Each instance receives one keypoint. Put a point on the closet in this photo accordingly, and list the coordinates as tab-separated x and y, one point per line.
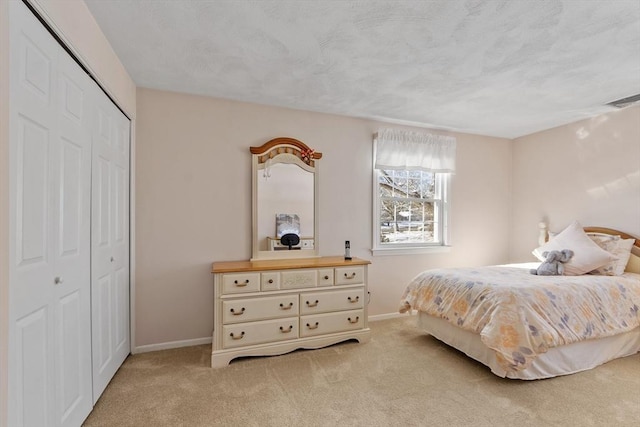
69	232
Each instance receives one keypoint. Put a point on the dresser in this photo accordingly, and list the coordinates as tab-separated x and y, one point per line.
271	307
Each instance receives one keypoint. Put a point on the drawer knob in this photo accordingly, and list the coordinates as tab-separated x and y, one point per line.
270	281
237	313
354	321
286	331
326	277
286	307
353	300
312	304
237	337
315	326
350	276
245	283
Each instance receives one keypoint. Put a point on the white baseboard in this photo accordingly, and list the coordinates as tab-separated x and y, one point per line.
207	340
170	345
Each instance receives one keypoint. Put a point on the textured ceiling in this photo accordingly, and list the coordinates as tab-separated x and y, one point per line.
500	68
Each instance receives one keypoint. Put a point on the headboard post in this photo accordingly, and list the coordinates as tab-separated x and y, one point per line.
542	233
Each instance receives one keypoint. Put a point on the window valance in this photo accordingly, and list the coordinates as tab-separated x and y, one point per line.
407	150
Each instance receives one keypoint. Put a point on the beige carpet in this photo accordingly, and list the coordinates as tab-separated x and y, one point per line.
401	378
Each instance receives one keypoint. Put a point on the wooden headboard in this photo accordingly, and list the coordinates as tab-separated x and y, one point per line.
633	265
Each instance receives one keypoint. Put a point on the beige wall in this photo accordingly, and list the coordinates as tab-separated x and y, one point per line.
587	171
194	203
75	25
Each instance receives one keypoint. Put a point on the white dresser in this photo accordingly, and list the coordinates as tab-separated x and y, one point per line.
275	306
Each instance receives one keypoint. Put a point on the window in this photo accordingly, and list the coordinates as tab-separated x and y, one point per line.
411	207
411	187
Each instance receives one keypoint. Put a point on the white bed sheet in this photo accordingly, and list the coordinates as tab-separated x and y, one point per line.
564	360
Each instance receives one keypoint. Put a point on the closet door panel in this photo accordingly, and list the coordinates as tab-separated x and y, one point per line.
102	282
50	155
32	392
37	66
72	256
71	198
110	231
102	353
33	363
34	61
120	209
33	195
101	215
32	133
120	260
121	313
71	378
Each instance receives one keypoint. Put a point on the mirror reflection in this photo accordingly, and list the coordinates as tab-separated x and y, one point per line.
285	205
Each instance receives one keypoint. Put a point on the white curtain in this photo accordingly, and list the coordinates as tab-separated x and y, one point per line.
399	149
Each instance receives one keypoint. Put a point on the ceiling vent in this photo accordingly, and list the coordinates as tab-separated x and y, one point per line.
625	102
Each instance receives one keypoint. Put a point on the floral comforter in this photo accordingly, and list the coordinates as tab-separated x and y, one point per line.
520	315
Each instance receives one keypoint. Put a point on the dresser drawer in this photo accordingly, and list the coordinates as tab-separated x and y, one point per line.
349	275
244	334
270	281
240	282
319	324
322	302
259	308
325	277
296	279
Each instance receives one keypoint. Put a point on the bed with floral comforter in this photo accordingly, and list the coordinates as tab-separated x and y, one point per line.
519	315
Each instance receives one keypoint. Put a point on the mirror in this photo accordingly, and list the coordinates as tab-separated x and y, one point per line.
285	205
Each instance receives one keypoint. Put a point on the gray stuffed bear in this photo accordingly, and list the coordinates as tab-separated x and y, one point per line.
553	264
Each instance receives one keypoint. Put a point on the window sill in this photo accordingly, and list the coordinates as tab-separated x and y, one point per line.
410	251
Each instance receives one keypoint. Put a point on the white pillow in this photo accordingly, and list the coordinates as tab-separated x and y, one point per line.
587	255
620	248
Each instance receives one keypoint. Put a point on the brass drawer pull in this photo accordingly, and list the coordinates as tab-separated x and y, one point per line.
239	337
246	282
286	307
237	313
312	304
353	300
354	321
286	331
312	326
350	276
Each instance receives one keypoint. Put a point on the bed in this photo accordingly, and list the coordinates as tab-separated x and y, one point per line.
524	326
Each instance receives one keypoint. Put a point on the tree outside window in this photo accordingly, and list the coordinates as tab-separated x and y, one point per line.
410	207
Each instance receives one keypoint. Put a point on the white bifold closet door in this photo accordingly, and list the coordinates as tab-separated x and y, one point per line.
50	160
109	242
69	324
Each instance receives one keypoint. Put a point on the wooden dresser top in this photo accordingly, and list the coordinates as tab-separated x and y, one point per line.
284	264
